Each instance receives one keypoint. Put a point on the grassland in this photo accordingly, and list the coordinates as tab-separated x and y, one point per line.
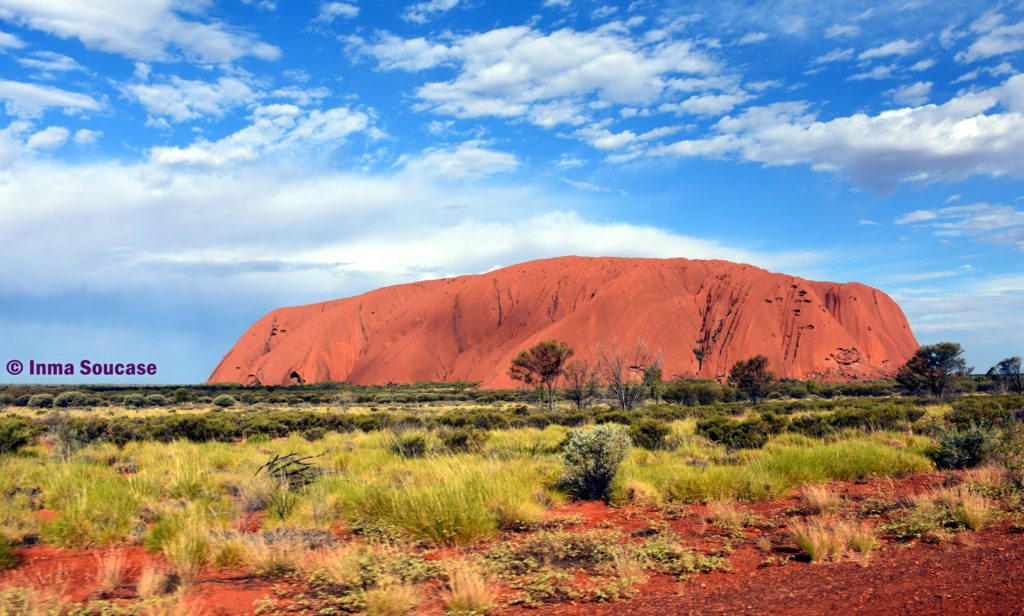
377	490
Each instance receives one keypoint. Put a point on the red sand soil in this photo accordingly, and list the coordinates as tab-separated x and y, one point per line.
975	573
471	327
71	575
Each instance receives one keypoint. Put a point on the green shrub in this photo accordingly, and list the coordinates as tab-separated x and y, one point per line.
745	434
134	401
183	394
649	433
223	401
463	440
620	417
314	434
591	458
964	447
8	560
14	435
156	400
71	399
408	444
975	411
40	401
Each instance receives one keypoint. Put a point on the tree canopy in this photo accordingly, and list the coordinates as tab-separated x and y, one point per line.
752	376
542	365
933	368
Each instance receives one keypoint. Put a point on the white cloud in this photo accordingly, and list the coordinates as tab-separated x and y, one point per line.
30	99
332	232
708	104
842	30
882	71
968	76
913	94
184	99
604	11
922	65
916	216
979	133
568	161
47	63
10	41
995	38
753	37
85	136
509	71
19	140
396	53
600	137
985	222
274	128
792	24
591	187
422	12
557	3
139	29
472	159
899	47
329	11
50	138
836	55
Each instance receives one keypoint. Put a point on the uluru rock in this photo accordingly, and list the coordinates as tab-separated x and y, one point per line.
702	316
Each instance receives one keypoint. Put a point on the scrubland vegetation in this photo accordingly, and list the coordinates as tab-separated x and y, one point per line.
351	495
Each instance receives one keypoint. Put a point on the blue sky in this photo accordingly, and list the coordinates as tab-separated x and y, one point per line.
170	170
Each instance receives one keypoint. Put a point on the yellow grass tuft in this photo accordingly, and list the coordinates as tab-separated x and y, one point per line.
819	500
468	590
153	582
822	539
110	571
392	599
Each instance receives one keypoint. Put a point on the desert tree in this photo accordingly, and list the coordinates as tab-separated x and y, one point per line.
542	365
580	383
933	369
655	382
627	374
1008	374
751	376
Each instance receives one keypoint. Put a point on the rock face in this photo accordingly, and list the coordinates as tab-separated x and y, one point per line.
702	316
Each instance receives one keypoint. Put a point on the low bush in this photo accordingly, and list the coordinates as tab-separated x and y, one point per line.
14	434
964	447
156	400
736	434
663	553
463	440
591	458
40	401
978	411
314	434
8	560
649	433
134	401
71	399
409	444
223	401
